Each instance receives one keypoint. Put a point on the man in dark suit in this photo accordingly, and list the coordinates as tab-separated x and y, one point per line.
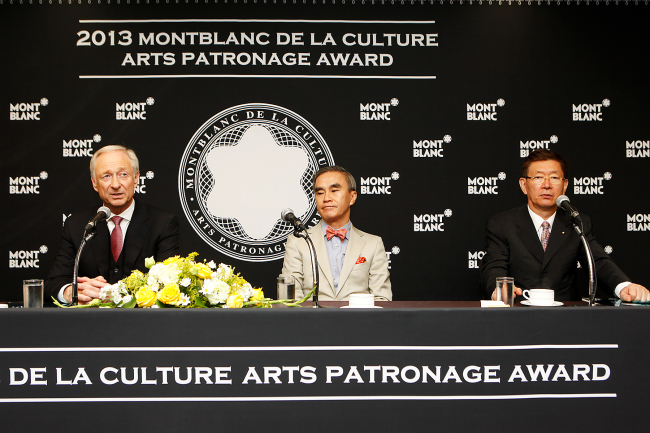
121	244
537	245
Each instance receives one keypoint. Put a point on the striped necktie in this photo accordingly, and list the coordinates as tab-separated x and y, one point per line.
117	240
546	233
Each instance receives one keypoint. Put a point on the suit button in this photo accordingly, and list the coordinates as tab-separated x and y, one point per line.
116	270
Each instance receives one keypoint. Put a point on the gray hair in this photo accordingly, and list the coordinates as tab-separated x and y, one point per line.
352	184
129	152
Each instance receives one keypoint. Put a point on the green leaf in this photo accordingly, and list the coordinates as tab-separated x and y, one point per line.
297	303
161	305
199	302
131	304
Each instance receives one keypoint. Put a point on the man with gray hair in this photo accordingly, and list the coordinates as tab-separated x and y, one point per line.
350	261
121	244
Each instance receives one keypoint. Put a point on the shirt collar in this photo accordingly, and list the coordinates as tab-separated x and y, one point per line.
538	220
347	227
128	213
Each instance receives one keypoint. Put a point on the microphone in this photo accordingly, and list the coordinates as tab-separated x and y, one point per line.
287	215
103	213
563	202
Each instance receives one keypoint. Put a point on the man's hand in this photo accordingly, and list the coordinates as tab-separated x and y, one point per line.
635	293
88	289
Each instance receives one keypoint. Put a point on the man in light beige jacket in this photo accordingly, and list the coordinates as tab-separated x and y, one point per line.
349	260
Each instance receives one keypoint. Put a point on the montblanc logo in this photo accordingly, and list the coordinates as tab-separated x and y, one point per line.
608	249
80	148
484	111
474	258
27	110
590	185
429	148
26	259
430	222
132	110
637	149
525	147
377	110
484	185
393	252
638	222
141	187
377	185
244	147
589	112
26	184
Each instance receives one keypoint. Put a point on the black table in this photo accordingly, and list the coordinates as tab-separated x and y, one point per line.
413	366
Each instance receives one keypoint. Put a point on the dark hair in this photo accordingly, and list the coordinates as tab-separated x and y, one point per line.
352	184
544	155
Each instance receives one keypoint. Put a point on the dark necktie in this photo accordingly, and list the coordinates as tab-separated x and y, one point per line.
117	240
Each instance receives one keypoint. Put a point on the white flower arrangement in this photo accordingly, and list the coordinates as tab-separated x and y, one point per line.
181	282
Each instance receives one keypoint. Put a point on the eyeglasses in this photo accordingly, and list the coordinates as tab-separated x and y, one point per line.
555	180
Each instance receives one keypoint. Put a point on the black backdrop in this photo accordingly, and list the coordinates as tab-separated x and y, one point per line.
532	65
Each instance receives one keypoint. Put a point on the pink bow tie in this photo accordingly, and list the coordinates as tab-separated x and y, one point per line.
331	233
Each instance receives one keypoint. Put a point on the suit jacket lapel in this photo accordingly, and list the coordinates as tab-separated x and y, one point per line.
101	247
528	235
135	236
355	246
559	233
316	235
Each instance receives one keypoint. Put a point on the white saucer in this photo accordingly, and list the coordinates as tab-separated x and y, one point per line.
554	304
374	306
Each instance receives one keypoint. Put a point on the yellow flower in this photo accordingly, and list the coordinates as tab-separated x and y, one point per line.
170	294
258	295
134	281
136	274
172	260
203	271
145	297
235	301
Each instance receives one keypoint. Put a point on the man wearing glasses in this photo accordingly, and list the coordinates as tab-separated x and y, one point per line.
537	245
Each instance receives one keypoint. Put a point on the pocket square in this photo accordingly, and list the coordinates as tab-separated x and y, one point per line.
360	260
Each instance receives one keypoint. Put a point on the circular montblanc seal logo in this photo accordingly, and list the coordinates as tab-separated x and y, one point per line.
241	169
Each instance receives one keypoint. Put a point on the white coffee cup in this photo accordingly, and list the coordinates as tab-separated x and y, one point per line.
362	300
540	296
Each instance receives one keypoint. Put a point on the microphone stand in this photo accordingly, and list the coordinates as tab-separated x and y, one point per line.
75	273
590	260
314	263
